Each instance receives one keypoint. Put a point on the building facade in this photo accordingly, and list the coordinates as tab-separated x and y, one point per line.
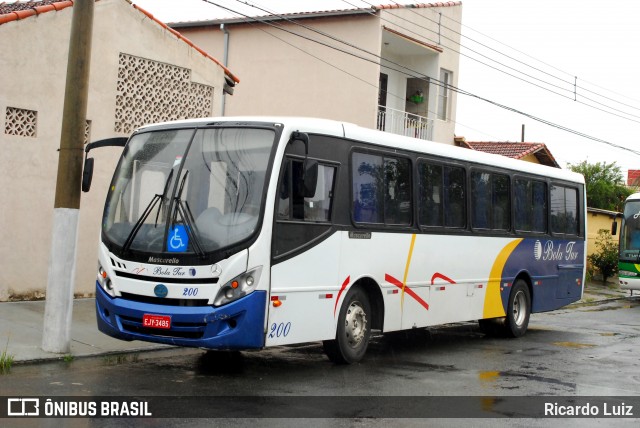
393	68
141	72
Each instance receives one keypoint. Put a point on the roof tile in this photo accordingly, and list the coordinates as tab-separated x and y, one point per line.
20	10
512	150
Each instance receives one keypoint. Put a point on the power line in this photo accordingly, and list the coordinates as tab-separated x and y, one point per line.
439	83
574	83
571	92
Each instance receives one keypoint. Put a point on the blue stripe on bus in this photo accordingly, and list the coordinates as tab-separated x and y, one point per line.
237	325
555	268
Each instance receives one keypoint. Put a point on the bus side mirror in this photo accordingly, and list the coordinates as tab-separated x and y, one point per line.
87	174
310	178
614	228
87	170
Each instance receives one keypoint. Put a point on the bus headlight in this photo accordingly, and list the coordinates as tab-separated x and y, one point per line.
238	287
627	273
105	281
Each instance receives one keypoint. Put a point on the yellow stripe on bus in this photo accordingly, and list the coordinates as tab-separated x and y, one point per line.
406	269
492	301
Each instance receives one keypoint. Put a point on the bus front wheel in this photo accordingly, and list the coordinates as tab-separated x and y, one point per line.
353	331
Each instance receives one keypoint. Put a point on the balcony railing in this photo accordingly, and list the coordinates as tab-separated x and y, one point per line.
403	123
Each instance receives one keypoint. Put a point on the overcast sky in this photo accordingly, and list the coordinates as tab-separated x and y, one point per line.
562	46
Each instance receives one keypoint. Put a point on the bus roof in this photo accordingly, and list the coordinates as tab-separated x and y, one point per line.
383	139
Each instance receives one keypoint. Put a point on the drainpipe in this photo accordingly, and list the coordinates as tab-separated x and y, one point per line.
225	63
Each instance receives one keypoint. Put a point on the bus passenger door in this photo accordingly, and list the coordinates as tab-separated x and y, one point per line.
306	253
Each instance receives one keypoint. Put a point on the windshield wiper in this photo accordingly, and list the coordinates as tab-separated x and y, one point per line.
136	227
182	207
164	195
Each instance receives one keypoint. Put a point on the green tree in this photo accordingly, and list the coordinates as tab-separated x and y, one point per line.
605	259
605	184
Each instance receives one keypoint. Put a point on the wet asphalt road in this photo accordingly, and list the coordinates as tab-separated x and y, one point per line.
591	350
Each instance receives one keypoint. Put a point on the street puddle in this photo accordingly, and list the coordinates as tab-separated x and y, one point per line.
488	376
574	345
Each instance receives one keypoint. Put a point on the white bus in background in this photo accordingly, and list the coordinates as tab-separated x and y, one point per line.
244	233
629	261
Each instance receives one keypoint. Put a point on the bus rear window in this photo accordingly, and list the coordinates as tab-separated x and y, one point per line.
564	210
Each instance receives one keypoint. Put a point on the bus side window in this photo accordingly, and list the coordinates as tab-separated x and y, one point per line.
284	197
430	201
293	205
381	189
318	206
397	191
501	202
530	205
491	201
454	197
564	210
481	199
441	195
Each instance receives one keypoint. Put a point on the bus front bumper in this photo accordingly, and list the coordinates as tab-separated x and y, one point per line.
237	325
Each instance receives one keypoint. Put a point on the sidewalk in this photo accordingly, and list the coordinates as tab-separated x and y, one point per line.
21	325
21	328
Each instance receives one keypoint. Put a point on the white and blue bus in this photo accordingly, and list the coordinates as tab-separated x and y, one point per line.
245	233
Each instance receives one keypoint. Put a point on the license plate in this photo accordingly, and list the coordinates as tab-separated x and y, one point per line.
156	321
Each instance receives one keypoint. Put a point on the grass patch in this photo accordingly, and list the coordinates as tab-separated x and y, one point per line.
68	358
6	360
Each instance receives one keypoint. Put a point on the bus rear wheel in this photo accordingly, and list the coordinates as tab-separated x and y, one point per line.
353	331
516	321
518	310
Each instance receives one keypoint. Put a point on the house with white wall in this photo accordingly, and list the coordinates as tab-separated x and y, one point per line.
384	67
141	71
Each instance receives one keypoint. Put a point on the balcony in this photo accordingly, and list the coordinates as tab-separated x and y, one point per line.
403	123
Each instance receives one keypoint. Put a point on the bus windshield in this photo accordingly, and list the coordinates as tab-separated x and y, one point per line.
188	190
630	234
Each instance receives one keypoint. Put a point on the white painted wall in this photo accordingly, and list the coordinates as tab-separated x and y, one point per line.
32	76
285	75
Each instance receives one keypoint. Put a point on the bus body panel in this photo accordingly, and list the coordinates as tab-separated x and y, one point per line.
303	284
424	280
181	282
627	281
237	325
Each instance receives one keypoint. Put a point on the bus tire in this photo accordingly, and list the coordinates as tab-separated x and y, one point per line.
518	310
353	331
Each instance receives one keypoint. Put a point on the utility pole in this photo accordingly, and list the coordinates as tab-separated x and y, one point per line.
56	334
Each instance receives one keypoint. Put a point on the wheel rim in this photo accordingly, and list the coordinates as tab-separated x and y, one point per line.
519	308
355	324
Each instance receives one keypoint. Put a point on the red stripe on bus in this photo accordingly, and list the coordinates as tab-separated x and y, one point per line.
344	285
441	276
407	290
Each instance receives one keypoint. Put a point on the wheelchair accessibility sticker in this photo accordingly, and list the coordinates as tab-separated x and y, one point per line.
178	239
